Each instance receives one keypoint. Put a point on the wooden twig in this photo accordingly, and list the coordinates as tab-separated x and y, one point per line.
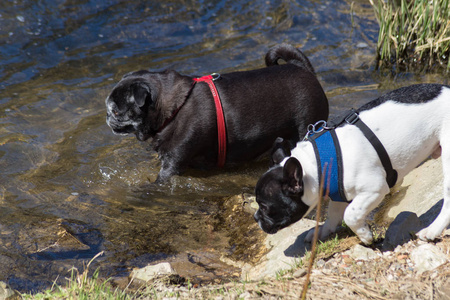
316	230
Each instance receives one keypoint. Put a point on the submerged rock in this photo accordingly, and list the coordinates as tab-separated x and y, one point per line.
7	293
151	272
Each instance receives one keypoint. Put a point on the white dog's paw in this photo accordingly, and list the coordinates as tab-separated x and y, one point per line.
365	235
428	234
367	240
324	232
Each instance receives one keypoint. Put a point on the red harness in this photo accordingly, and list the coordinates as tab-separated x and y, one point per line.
221	129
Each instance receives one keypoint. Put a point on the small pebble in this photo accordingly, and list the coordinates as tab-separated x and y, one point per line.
361	45
299	273
320	263
402	257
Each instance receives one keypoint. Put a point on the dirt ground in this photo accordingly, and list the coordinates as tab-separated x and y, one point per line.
390	275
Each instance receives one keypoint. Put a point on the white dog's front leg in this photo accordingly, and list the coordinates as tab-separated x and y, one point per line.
356	213
334	219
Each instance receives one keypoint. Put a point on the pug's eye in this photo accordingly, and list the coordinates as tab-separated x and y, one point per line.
115	112
263	207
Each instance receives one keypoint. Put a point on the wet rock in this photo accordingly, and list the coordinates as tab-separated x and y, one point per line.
122	282
204	266
7	293
151	272
359	252
249	203
283	248
427	257
399	232
245	236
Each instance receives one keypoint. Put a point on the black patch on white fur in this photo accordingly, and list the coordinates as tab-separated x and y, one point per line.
414	94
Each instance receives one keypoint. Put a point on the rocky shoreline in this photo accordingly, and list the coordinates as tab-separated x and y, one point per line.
415	270
397	266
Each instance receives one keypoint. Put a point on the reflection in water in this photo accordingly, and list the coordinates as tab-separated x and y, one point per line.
69	188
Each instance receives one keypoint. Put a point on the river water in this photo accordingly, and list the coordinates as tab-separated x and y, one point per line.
69	188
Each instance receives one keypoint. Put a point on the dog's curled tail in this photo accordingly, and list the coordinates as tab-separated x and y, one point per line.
290	55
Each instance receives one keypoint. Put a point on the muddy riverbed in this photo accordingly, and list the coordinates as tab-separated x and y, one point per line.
70	189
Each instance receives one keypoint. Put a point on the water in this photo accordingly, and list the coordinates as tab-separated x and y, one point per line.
69	188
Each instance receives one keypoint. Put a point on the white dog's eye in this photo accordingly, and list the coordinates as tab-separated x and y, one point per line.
115	112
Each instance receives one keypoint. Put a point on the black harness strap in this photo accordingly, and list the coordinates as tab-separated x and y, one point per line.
354	119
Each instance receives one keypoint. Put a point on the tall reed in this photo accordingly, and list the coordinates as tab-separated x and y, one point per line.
413	33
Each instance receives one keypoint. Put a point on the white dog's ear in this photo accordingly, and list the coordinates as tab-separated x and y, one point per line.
140	94
281	149
293	176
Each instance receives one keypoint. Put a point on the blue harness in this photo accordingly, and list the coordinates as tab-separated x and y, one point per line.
328	154
329	158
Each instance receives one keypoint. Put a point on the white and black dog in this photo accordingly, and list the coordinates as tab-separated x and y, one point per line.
412	123
258	106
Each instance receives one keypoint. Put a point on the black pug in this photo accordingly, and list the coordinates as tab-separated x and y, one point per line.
258	106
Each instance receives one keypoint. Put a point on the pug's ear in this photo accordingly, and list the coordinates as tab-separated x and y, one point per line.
140	94
292	176
127	75
281	149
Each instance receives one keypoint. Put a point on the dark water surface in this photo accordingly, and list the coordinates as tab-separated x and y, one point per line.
69	188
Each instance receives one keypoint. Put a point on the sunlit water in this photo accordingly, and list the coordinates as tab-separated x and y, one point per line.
69	188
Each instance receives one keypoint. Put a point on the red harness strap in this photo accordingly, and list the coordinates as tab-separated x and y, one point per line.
221	129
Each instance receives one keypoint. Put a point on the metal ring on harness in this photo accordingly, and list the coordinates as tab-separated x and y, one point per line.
317	127
215	76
